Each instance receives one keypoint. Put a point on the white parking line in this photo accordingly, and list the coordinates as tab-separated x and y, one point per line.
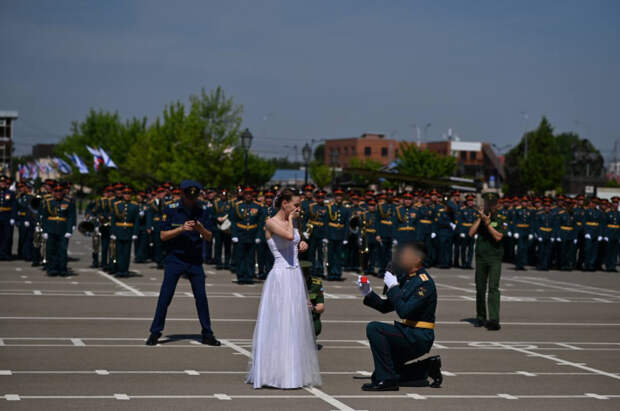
120	283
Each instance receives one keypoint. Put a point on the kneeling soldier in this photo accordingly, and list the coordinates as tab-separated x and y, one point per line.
414	298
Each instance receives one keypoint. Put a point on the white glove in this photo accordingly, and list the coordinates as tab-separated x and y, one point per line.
516	236
363	287
72	228
112	237
600	238
433	235
530	237
462	235
475	236
575	241
606	238
306	236
26	223
257	240
552	239
12	221
345	242
96	229
141	213
235	240
394	242
587	237
390	280
45	236
559	239
453	226
509	234
67	235
325	241
134	237
540	239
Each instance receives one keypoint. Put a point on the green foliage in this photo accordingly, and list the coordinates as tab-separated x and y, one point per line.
319	153
366	164
423	163
320	174
197	141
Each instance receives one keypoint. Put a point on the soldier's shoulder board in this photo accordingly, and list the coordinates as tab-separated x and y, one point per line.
317	281
424	277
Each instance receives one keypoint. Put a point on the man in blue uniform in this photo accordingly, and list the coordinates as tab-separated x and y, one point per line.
404	221
414	298
184	226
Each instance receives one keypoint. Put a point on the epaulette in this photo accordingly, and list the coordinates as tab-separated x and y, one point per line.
317	281
424	277
134	202
172	204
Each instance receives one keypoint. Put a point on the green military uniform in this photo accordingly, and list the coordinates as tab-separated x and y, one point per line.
489	255
57	220
247	222
315	293
125	226
337	233
317	218
222	208
153	222
141	243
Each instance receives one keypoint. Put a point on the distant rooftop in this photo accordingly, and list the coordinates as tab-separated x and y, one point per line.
9	114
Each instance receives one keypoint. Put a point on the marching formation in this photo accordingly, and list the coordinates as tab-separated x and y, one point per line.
346	230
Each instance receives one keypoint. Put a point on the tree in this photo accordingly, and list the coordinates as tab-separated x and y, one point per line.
320	174
319	153
260	170
366	164
423	163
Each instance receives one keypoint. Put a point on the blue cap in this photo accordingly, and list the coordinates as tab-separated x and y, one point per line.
185	184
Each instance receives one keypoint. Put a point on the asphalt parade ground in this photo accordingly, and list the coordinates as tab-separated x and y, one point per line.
77	343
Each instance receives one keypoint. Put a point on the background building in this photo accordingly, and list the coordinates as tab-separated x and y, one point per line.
7	120
373	146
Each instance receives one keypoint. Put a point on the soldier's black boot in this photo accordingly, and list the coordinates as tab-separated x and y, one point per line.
209	339
434	370
95	263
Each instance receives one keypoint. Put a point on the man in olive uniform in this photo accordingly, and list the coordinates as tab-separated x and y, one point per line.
611	234
24	243
223	213
8	214
56	215
467	216
489	253
337	233
248	222
414	298
317	218
125	228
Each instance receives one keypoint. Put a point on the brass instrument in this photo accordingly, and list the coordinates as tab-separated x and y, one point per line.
35	202
113	250
363	243
355	223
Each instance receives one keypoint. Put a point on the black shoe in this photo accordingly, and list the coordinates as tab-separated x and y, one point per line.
479	323
434	371
210	340
53	273
153	339
319	347
386	385
64	274
493	326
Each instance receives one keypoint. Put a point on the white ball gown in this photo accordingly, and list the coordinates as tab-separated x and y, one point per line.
284	351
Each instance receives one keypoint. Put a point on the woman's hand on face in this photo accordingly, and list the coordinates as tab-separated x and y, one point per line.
303	246
294	214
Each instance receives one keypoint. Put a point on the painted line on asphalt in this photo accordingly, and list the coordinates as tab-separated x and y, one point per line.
574	288
312	390
120	283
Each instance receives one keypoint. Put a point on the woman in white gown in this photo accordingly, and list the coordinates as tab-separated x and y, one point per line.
284	351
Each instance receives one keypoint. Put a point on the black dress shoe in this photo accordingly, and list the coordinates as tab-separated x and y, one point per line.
153	339
479	323
434	370
386	385
210	340
493	326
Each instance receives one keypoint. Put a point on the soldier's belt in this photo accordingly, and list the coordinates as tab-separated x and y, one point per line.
5	208
156	218
386	222
546	229
247	226
523	225
418	324
566	228
22	213
405	229
371	230
124	224
613	225
316	223
336	225
467	224
426	221
52	218
579	223
593	223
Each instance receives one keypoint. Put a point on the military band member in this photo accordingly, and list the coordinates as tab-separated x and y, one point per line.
467	215
25	231
247	219
142	242
370	242
425	233
153	223
566	236
209	202
57	219
337	234
521	232
263	253
125	228
405	220
592	235
611	235
444	226
317	219
8	214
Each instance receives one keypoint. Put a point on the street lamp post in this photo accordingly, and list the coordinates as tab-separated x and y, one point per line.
334	157
306	152
246	143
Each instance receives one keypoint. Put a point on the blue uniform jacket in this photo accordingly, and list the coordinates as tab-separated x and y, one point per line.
188	245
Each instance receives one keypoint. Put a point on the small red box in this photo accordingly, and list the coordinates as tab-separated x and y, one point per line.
364	280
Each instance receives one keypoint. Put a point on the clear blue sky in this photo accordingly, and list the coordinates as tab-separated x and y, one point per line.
319	69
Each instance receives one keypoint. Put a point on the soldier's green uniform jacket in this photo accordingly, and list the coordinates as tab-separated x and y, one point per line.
23	204
317	216
486	247
57	216
405	219
466	217
566	225
222	208
415	302
125	220
385	223
247	220
315	293
371	223
338	227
